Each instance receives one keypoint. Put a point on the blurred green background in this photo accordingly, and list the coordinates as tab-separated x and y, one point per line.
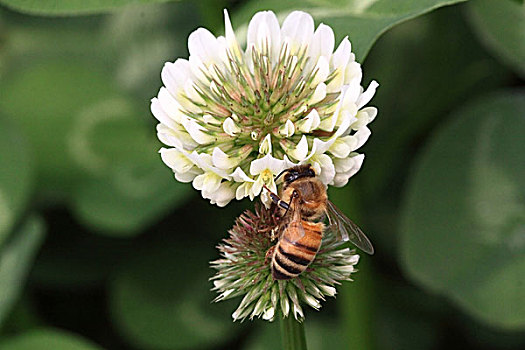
100	248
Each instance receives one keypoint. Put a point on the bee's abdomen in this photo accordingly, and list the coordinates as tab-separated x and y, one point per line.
292	256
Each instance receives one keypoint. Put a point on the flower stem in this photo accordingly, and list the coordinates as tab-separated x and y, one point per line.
292	334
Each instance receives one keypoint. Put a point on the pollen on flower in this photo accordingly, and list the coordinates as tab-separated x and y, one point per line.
267	175
288	97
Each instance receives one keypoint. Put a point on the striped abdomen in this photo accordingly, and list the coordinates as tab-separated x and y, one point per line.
294	253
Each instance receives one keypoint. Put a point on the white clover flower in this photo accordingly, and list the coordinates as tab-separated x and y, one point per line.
234	118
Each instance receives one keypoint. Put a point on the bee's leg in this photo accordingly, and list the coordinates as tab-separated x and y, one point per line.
277	200
269	255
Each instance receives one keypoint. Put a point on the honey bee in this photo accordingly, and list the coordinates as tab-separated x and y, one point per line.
304	205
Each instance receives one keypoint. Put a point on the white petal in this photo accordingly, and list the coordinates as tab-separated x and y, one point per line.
230	127
322	43
267	162
338	66
198	69
207	182
193	95
319	94
198	182
353	165
342	147
205	162
300	151
256	188
265	146
288	129
174	75
170	105
268	314
367	95
353	71
240	176
176	138
285	305
328	290
319	146
310	122
208	119
203	44
222	195
222	161
358	162
297	30
298	312
197	132
345	119
327	168
323	70
364	117
310	300
160	114
352	92
176	160
231	39
288	163
328	123
361	136
188	176
244	190
342	54
264	33
342	165
316	120
340	180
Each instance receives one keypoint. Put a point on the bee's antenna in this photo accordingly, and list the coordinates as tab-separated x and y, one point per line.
279	175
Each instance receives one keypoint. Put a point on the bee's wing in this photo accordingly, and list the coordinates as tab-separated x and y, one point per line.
295	225
346	229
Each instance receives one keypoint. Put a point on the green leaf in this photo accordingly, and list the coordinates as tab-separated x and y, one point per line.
16	176
57	91
15	261
402	309
73	258
362	20
48	339
130	198
130	186
161	299
463	223
425	85
23	316
70	7
144	38
500	25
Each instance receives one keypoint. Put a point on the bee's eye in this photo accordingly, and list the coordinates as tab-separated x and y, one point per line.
311	172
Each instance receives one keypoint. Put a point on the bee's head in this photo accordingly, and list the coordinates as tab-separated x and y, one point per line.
297	172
